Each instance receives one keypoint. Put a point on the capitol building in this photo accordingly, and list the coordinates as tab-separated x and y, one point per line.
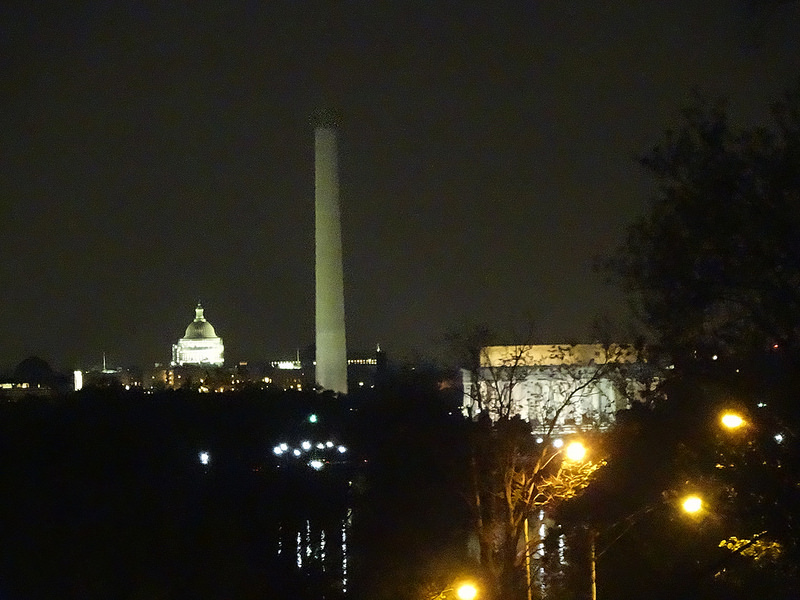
199	345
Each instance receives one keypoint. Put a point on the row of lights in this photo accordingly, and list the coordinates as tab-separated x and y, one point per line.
307	446
205	457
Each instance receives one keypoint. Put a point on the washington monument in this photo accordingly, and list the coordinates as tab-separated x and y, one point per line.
331	371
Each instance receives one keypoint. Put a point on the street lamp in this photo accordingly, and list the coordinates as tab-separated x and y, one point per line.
692	504
466	591
731	420
575	452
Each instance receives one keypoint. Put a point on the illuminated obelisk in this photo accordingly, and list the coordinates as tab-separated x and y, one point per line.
331	371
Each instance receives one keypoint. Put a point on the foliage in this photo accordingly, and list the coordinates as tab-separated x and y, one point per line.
516	474
571	479
714	267
757	547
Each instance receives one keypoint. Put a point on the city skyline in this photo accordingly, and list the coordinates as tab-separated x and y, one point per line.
154	158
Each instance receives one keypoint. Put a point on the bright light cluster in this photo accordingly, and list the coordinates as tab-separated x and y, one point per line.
306	446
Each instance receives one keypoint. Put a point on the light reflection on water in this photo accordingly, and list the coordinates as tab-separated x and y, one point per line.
545	565
319	548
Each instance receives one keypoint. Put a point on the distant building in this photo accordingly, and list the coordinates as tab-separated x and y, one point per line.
290	375
365	371
298	374
105	376
571	387
12	391
127	378
199	345
33	377
155	377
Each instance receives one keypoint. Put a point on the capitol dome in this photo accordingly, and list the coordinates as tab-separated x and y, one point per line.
199	328
200	344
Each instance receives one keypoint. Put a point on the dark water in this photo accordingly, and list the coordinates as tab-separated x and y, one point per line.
103	518
107	496
318	548
202	535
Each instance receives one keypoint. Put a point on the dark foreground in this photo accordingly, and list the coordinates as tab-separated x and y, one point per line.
105	495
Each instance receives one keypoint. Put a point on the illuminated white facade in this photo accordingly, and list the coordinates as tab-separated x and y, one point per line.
199	345
570	387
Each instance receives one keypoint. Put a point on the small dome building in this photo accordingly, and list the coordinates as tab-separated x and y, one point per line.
199	345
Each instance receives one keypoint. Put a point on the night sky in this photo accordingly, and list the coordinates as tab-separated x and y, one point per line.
154	156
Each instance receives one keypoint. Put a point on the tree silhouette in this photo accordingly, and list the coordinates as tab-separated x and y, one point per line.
714	267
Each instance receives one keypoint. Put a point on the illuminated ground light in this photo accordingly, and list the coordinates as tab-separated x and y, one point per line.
341	449
306	445
316	464
277	450
204	457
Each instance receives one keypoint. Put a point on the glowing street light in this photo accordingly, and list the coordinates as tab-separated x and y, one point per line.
467	591
692	504
731	420
575	452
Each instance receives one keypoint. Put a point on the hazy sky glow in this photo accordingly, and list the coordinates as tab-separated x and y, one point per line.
151	157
